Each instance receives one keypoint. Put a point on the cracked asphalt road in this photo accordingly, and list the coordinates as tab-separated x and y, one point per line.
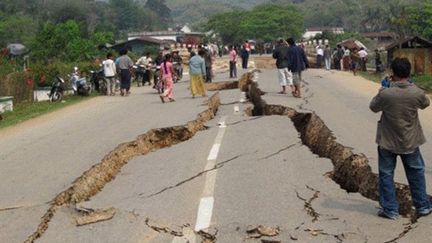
265	176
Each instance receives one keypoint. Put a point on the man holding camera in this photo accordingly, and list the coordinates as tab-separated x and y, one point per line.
400	134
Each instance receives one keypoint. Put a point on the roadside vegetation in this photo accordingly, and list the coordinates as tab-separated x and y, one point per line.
422	81
28	110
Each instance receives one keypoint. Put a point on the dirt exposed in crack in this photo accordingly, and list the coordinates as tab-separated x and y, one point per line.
93	180
351	171
222	85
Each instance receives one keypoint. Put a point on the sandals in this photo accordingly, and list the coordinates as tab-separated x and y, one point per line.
162	98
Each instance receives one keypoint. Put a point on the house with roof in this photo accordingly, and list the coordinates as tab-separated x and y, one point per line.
382	39
141	45
417	50
177	35
311	32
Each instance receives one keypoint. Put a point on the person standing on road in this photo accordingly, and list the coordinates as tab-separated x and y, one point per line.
281	56
244	54
167	76
378	62
338	57
363	59
110	73
327	57
125	65
146	62
355	60
208	63
399	133
197	71
233	62
320	56
297	63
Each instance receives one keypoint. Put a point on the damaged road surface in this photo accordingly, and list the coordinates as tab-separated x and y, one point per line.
216	174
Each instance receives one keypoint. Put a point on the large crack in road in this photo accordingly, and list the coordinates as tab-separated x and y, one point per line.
93	180
351	171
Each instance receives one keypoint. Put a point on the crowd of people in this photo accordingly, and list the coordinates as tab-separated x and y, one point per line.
291	61
346	59
161	72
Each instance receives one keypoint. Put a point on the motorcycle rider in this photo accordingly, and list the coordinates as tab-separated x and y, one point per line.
146	61
109	72
178	63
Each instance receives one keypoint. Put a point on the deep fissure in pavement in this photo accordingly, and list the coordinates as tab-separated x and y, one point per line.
351	171
93	180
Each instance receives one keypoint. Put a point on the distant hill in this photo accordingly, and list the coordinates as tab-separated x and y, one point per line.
195	11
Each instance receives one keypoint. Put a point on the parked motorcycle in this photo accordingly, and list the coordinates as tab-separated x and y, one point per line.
79	85
57	90
98	82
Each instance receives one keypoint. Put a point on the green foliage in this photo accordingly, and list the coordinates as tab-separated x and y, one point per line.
65	41
26	111
264	22
423	81
420	19
17	29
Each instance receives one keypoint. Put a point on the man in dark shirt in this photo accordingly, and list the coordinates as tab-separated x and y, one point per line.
297	63
399	133
281	56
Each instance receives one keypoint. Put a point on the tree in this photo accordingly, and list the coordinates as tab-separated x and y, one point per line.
161	10
267	22
420	19
17	29
65	41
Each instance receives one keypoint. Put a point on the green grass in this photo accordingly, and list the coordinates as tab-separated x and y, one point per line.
422	81
26	111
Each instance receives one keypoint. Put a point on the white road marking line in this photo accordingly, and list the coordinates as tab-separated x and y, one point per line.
205	209
214	152
205	212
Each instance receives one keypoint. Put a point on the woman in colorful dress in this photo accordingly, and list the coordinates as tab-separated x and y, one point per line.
167	74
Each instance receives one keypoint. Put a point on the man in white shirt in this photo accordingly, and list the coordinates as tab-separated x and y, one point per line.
363	58
110	73
146	61
320	55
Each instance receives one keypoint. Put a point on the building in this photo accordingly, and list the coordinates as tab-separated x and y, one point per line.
313	31
141	45
178	35
382	39
418	50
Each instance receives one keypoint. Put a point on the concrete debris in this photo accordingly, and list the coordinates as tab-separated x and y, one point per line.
86	217
93	180
261	230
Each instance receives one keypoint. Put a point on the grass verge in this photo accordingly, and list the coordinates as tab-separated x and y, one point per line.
422	81
26	111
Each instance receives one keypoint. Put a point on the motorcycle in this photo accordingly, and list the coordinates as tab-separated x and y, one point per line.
158	84
79	85
179	71
57	90
141	75
98	82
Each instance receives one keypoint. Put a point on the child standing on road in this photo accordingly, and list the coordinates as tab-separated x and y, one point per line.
109	72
